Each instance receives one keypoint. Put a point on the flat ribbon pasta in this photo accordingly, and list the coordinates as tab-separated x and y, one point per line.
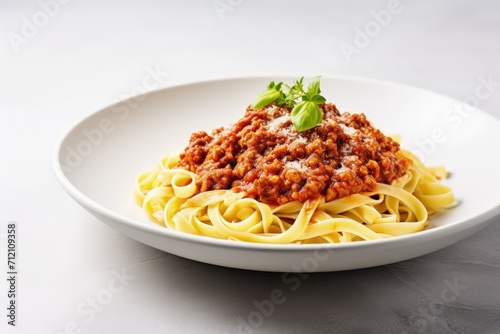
168	196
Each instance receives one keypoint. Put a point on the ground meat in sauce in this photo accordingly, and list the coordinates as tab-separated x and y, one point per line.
264	156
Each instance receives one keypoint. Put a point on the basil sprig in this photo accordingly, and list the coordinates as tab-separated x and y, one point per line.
306	113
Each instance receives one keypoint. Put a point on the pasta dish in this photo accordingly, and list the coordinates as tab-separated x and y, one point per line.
293	169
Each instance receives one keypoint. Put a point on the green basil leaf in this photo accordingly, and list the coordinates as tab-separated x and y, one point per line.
266	97
307	98
318	99
313	87
306	115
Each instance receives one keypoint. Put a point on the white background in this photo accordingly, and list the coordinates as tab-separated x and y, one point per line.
59	62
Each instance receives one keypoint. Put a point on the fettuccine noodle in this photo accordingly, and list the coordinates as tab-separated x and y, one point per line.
168	196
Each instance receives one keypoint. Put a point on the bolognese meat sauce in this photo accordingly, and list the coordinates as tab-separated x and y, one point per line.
264	156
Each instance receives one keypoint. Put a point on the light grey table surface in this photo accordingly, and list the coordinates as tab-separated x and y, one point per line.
62	60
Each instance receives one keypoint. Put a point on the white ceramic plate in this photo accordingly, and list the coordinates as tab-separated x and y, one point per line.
98	160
